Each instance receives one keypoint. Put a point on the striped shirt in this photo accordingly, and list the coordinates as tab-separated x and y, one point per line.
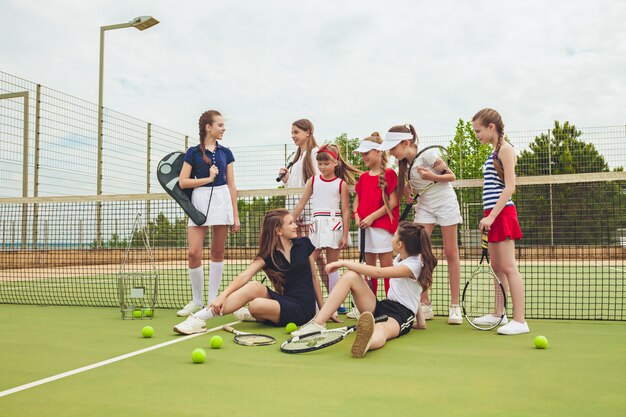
492	185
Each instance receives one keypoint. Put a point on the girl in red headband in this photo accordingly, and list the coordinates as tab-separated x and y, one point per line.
328	191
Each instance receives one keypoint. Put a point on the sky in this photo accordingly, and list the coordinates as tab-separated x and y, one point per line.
349	66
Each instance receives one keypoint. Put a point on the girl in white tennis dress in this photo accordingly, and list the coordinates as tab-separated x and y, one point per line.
328	192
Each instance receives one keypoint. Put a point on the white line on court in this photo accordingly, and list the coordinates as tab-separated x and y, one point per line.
108	361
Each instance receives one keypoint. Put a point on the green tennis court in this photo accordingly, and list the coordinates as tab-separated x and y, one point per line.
443	371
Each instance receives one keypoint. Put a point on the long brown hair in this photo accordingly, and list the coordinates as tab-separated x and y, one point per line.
269	243
403	164
416	241
382	181
485	117
307	167
205	119
343	170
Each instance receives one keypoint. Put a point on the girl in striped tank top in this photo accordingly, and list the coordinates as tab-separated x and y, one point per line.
328	191
501	216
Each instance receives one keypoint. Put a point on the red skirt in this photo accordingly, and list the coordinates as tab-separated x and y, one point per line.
505	226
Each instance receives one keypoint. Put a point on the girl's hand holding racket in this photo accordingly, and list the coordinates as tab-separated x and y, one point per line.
283	175
485	224
426	174
366	222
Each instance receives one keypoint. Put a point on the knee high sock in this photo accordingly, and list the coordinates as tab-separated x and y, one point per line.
333	277
204	314
196	276
215	277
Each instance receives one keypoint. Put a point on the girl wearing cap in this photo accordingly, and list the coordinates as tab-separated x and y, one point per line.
376	205
328	192
437	206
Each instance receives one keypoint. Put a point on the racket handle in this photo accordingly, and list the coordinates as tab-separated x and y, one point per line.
406	211
281	176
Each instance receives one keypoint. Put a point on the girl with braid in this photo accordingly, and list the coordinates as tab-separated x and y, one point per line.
437	206
500	219
376	205
209	170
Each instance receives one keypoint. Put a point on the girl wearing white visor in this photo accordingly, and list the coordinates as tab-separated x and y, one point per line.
438	205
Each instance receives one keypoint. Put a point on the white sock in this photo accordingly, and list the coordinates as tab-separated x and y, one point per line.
204	314
215	277
196	275
333	278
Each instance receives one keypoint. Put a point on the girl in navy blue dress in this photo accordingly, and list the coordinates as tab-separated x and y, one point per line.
288	262
209	170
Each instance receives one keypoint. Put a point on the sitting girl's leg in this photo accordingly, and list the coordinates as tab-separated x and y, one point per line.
265	309
237	299
350	281
384	331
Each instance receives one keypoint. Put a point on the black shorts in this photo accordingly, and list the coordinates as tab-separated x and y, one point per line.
292	310
398	312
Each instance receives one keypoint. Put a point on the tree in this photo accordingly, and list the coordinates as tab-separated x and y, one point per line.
578	213
467	155
347	147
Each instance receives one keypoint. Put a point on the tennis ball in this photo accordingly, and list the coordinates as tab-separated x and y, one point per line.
147	331
147	312
198	355
216	342
291	327
137	314
541	342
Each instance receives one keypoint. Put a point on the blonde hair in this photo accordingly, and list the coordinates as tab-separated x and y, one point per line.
343	170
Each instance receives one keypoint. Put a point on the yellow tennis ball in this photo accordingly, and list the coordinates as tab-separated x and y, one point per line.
291	327
198	355
541	342
147	331
147	312
137	314
216	342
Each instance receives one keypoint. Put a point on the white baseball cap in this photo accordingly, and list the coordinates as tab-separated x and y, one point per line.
365	146
392	139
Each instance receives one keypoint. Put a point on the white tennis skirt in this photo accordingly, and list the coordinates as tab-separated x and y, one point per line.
377	240
326	229
221	208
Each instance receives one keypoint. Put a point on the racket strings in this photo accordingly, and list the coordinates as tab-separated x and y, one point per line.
483	297
313	341
254	339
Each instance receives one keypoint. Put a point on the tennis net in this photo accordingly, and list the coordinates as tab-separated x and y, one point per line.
55	251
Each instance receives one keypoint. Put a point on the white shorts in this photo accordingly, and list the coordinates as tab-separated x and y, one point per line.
326	230
377	240
444	215
221	209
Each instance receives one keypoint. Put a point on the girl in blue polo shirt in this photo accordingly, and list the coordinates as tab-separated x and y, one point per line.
209	170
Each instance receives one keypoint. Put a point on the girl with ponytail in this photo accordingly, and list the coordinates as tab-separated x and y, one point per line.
500	219
376	204
209	170
411	273
437	206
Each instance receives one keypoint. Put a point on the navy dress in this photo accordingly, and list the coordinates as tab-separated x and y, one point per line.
297	302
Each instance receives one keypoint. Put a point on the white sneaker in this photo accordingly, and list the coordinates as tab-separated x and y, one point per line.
490	320
364	335
188	310
454	315
514	327
243	314
191	325
310	327
427	309
354	314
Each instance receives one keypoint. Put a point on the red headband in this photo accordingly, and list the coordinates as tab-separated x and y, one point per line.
324	148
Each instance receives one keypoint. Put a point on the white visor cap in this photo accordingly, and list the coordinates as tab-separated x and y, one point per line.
392	139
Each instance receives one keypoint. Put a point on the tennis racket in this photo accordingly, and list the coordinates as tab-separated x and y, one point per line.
434	158
320	340
290	163
484	298
250	339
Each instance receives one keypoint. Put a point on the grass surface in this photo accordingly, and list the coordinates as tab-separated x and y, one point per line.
442	371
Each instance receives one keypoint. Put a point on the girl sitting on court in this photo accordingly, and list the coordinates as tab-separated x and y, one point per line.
288	262
409	276
328	191
376	205
436	206
501	216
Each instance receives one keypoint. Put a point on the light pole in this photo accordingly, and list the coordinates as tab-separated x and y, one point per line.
140	23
